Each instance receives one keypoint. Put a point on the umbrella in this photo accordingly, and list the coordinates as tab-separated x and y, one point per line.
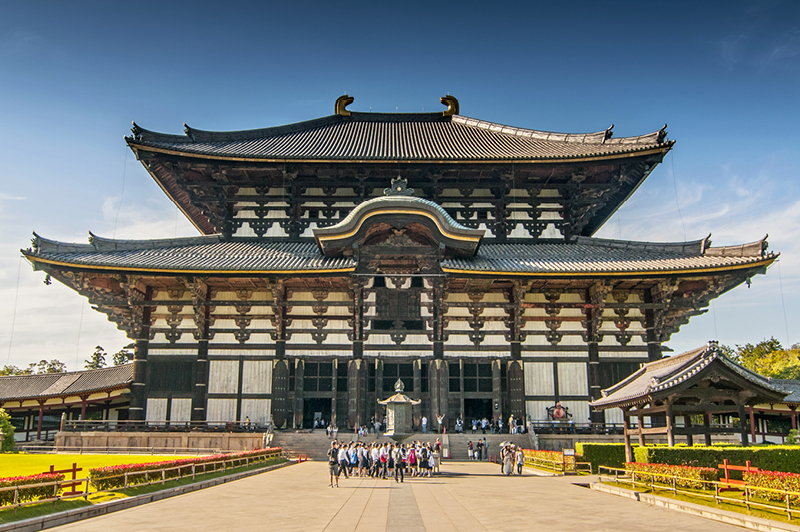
503	444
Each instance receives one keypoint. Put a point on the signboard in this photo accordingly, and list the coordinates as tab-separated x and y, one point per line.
568	452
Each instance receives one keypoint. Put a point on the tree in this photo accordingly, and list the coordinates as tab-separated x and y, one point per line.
767	358
7	439
14	370
123	356
43	366
97	360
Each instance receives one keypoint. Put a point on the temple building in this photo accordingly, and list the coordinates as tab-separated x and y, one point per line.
342	253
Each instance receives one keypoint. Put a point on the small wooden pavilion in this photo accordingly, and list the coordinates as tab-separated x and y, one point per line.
680	395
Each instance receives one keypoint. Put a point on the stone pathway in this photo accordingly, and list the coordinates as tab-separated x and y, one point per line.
468	496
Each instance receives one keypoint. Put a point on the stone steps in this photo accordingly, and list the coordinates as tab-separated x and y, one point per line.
315	444
458	443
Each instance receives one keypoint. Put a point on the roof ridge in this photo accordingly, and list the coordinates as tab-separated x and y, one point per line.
597	137
692	247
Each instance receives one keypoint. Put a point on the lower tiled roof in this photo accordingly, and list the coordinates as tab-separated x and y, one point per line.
45	385
592	255
582	256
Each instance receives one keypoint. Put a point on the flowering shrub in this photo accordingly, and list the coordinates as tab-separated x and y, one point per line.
28	494
687	477
775	480
111	477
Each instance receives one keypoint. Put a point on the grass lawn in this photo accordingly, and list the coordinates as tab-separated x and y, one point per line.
38	510
13	465
764	513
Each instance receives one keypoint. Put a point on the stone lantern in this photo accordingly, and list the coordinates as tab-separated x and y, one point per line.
398	413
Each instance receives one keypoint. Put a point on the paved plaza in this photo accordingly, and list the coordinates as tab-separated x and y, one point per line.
467	496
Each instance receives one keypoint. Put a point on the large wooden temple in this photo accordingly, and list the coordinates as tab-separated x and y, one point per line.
340	254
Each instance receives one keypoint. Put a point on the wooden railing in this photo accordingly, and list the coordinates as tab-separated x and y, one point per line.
134	479
164	426
711	489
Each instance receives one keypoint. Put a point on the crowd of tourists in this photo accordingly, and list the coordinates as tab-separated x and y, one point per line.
383	460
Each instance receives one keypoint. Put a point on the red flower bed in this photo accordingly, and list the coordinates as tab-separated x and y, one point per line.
776	480
687	477
111	477
28	494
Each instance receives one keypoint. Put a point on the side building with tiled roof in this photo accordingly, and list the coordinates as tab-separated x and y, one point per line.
36	403
340	254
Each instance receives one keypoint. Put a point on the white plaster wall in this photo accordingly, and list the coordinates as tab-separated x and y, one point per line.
537	410
578	409
156	409
257	377
181	410
539	378
572	378
258	410
221	410
223	376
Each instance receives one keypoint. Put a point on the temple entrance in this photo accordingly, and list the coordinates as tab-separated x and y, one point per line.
316	409
477	409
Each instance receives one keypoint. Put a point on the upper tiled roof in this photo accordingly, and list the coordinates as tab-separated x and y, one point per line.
584	255
62	384
669	372
397	137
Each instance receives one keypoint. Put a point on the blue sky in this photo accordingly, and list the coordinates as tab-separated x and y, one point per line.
723	75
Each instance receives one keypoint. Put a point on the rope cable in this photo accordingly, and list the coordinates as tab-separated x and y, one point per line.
783	304
122	195
675	186
78	345
14	315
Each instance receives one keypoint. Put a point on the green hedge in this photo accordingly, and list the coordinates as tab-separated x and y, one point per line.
602	454
784	458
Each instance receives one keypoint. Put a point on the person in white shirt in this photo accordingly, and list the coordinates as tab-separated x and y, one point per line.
424	424
343	460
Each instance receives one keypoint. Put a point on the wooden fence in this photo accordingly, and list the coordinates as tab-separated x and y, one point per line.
711	489
134	478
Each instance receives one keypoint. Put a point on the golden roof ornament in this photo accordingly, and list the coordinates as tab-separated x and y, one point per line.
341	103
451	103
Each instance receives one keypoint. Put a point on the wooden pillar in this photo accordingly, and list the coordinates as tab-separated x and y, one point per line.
497	401
743	425
641	427
670	426
687	420
794	418
438	385
39	422
627	433
752	424
707	428
83	407
516	388
651	333
298	393
280	390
